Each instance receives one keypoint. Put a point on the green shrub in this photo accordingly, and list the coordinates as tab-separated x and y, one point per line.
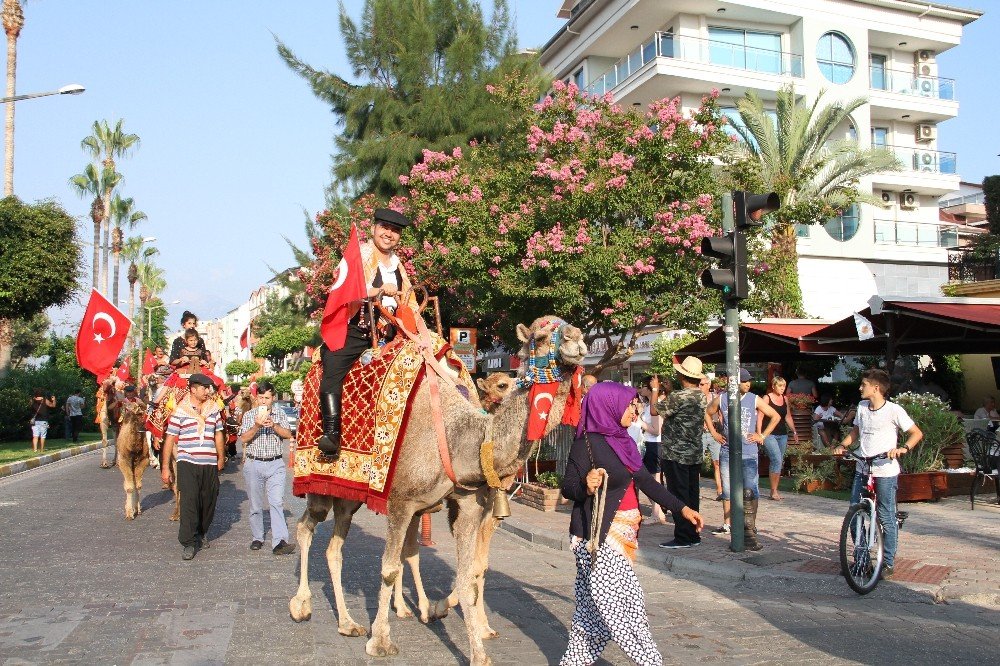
52	379
14	413
550	479
940	426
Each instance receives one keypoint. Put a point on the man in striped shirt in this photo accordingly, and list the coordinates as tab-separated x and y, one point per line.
195	436
261	432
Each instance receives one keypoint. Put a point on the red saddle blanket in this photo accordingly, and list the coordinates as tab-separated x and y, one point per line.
375	409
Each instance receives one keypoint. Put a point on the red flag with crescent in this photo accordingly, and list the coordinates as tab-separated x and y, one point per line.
148	363
245	336
102	335
349	287
540	399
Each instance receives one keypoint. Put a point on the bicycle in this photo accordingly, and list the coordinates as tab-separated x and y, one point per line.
861	543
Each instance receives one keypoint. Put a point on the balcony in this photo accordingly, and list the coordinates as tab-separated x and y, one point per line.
925	159
696	50
931	98
900	82
915	234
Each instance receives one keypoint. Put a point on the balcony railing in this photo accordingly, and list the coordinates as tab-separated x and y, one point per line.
964	267
906	83
977	198
925	159
695	49
915	234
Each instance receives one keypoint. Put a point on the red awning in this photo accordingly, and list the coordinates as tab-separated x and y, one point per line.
759	341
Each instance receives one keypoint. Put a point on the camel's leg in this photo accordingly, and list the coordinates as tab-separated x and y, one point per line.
104	442
400	516
411	555
317	508
139	471
343	514
129	483
467	533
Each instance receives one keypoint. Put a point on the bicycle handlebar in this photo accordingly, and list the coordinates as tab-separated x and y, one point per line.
870	459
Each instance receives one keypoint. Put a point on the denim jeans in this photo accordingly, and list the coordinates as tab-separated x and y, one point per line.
885	489
750	474
775	446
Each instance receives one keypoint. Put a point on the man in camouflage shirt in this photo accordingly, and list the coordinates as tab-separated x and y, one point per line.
683	424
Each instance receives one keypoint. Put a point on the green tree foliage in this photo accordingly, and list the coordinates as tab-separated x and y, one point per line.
662	356
422	66
157	322
284	340
39	260
991	192
585	210
280	311
29	336
792	152
241	369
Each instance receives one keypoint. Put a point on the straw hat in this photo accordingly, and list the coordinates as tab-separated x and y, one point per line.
691	367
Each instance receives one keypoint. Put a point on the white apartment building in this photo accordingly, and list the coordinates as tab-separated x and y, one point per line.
884	50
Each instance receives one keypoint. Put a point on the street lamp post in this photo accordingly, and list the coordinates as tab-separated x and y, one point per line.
8	180
149	315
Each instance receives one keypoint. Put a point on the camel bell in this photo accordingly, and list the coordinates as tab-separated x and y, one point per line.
501	504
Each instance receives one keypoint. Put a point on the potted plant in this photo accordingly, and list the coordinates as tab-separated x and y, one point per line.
544	494
922	478
808	477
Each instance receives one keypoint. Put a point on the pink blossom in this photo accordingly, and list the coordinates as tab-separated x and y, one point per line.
607	311
475	251
494	272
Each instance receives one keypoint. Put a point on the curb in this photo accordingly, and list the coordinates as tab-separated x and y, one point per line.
10	469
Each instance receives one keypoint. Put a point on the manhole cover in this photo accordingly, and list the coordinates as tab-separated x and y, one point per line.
770	559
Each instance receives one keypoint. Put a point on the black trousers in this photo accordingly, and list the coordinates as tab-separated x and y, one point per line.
199	489
682	480
77	426
336	364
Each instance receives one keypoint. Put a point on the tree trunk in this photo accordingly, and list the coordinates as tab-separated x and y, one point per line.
784	295
106	250
116	278
131	314
97	251
6	345
8	166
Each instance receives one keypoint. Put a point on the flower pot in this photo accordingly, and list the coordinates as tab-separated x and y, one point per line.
813	486
543	466
539	497
922	486
953	455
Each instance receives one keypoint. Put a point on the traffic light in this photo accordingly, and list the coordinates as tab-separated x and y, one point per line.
731	275
749	208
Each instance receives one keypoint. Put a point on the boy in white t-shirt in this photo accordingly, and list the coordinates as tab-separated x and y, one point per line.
875	428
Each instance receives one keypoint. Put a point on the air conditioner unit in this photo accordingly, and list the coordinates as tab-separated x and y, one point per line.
908	200
888	198
925	132
924	86
926	69
925	160
924	56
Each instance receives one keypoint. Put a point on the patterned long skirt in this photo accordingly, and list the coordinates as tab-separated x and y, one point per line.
609	599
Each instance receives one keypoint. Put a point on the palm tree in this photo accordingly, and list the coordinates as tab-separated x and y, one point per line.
791	152
106	143
151	284
133	252
122	211
93	183
13	20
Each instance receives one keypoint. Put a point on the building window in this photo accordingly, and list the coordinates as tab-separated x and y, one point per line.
879	78
732	114
835	57
845	226
880	137
745	49
578	78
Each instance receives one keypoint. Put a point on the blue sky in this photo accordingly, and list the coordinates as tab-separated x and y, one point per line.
235	146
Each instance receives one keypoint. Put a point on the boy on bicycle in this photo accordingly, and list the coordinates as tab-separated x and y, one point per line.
875	427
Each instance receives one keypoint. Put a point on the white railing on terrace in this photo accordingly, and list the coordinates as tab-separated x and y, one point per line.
977	198
924	159
917	234
907	83
695	49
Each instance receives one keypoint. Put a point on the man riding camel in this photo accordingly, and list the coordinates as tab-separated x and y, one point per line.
387	281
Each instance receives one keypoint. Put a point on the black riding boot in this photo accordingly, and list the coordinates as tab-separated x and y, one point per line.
329	407
750	541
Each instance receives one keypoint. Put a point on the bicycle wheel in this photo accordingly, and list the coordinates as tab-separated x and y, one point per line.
860	564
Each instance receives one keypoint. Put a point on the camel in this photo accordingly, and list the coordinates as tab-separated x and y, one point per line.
420	483
494	387
132	455
104	421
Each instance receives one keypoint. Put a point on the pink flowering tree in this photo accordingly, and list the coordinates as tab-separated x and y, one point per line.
584	209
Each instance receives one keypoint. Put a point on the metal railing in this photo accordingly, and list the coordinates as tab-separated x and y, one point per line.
903	82
977	198
915	234
695	49
925	159
964	267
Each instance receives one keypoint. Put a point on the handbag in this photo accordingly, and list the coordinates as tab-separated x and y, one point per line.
600	498
31	421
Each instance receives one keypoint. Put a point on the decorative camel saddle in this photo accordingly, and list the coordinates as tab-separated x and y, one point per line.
376	406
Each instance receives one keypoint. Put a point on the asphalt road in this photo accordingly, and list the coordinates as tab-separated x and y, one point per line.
82	585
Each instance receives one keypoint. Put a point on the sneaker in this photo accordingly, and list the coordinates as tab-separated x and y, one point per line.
674	544
283	548
888	571
721	530
256	545
188	553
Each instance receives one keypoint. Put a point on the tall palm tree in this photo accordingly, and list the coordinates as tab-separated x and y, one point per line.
792	152
106	143
122	212
13	20
92	182
151	284
133	252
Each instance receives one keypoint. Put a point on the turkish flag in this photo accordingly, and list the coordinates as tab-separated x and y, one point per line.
148	363
574	400
540	399
349	287
245	336
102	335
124	373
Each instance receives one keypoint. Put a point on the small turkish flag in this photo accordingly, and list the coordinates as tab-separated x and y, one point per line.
245	336
102	335
349	287
148	363
124	373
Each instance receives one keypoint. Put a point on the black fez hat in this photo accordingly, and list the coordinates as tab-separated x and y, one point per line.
389	216
198	379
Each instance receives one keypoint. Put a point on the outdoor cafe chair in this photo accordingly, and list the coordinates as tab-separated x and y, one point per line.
983	446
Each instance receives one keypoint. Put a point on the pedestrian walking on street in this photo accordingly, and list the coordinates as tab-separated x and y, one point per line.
41	410
651	424
262	432
603	473
777	442
683	446
194	435
74	410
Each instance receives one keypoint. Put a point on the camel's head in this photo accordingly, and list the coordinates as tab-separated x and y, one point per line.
547	331
494	388
134	410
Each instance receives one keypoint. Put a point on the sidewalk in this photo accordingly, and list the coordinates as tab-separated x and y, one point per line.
945	549
31	463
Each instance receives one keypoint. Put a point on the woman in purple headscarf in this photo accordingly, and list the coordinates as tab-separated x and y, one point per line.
605	463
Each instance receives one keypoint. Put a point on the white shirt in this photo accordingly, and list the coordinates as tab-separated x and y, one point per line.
389	277
647	418
991	415
878	431
826	413
74	405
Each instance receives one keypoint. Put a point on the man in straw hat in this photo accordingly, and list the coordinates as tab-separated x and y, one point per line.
683	425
